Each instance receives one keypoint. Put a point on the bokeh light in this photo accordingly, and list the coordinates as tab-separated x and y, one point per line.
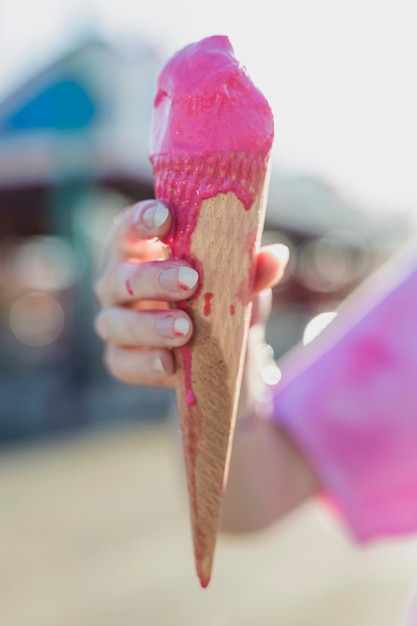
46	264
37	319
271	374
326	265
316	325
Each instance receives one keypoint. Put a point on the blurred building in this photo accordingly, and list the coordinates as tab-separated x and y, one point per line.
73	148
73	152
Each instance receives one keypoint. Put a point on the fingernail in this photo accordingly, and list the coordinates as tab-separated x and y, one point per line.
157	364
181	326
175	278
187	278
172	327
155	216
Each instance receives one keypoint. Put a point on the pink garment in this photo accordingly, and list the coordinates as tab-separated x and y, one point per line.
349	399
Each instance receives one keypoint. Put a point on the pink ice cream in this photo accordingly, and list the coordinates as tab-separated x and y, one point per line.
214	123
206	104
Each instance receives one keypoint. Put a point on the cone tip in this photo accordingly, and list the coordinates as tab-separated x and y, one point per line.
204	571
204	580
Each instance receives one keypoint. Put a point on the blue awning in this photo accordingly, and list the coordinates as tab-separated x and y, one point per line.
64	105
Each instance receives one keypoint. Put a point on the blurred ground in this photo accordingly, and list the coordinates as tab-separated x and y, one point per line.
94	531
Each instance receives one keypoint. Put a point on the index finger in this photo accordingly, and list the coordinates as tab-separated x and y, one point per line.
137	225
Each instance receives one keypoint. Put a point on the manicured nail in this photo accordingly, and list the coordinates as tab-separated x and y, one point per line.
187	278
170	326
157	365
181	326
155	216
176	278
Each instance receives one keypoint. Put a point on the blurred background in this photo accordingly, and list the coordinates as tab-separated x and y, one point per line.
93	519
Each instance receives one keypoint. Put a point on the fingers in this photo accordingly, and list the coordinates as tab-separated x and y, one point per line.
139	343
137	272
262	304
140	366
270	266
138	276
125	283
132	328
139	222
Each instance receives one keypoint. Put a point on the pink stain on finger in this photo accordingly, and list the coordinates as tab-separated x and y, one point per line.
129	287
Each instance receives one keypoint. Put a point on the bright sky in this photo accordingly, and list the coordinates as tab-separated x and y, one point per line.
339	75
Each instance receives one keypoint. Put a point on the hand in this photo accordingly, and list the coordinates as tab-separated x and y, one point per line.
139	283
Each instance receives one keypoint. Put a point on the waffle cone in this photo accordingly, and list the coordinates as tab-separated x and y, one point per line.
219	204
209	369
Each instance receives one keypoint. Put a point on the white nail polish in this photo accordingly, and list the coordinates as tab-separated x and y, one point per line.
157	364
155	216
160	215
187	278
181	326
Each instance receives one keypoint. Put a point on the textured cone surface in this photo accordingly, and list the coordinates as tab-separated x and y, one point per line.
224	241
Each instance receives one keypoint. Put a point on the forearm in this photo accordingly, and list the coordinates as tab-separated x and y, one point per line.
268	478
268	474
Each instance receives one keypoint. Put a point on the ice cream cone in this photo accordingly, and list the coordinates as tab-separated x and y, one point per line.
220	237
211	137
209	370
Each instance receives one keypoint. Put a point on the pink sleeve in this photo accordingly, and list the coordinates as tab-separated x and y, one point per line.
349	399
